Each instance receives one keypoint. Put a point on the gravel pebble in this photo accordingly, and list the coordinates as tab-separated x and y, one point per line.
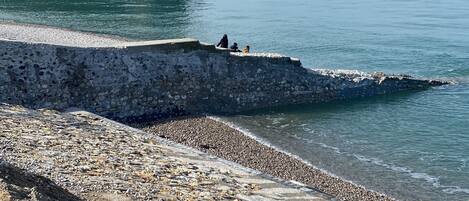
223	141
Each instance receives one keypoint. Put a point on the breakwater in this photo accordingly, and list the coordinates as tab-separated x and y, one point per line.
134	80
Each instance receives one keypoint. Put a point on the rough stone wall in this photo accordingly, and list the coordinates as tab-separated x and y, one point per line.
152	79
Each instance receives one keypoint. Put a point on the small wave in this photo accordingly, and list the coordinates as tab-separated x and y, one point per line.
276	120
426	177
381	163
434	181
457	72
455	189
323	145
336	150
454	75
463	164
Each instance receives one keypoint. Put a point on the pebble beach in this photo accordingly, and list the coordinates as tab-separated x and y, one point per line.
219	139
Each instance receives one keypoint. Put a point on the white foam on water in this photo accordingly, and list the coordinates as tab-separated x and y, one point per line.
463	164
335	149
430	179
433	180
276	121
310	141
455	189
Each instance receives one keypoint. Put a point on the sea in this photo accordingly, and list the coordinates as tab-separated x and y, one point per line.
411	145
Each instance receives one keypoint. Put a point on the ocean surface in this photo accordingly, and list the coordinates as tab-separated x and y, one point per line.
413	146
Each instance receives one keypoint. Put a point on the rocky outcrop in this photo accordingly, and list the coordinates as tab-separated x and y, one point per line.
151	79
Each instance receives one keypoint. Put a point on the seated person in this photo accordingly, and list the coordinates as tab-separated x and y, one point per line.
223	42
234	47
246	49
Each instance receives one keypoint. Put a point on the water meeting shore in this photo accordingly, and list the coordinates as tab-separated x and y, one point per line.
220	139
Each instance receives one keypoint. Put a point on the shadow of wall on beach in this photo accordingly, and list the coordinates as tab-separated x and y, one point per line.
20	185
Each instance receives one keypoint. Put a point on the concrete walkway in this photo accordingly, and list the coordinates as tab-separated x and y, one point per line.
94	158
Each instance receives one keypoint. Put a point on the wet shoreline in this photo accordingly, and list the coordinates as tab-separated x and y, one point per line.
219	139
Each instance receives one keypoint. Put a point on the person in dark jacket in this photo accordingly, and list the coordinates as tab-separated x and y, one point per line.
223	42
234	47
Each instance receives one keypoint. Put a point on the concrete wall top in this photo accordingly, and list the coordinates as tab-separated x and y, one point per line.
168	45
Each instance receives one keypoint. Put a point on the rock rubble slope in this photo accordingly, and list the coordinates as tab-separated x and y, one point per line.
47	155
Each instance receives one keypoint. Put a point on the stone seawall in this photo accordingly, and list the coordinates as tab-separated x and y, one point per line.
157	78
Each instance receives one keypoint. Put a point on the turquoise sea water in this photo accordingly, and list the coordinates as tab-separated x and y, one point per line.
413	146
